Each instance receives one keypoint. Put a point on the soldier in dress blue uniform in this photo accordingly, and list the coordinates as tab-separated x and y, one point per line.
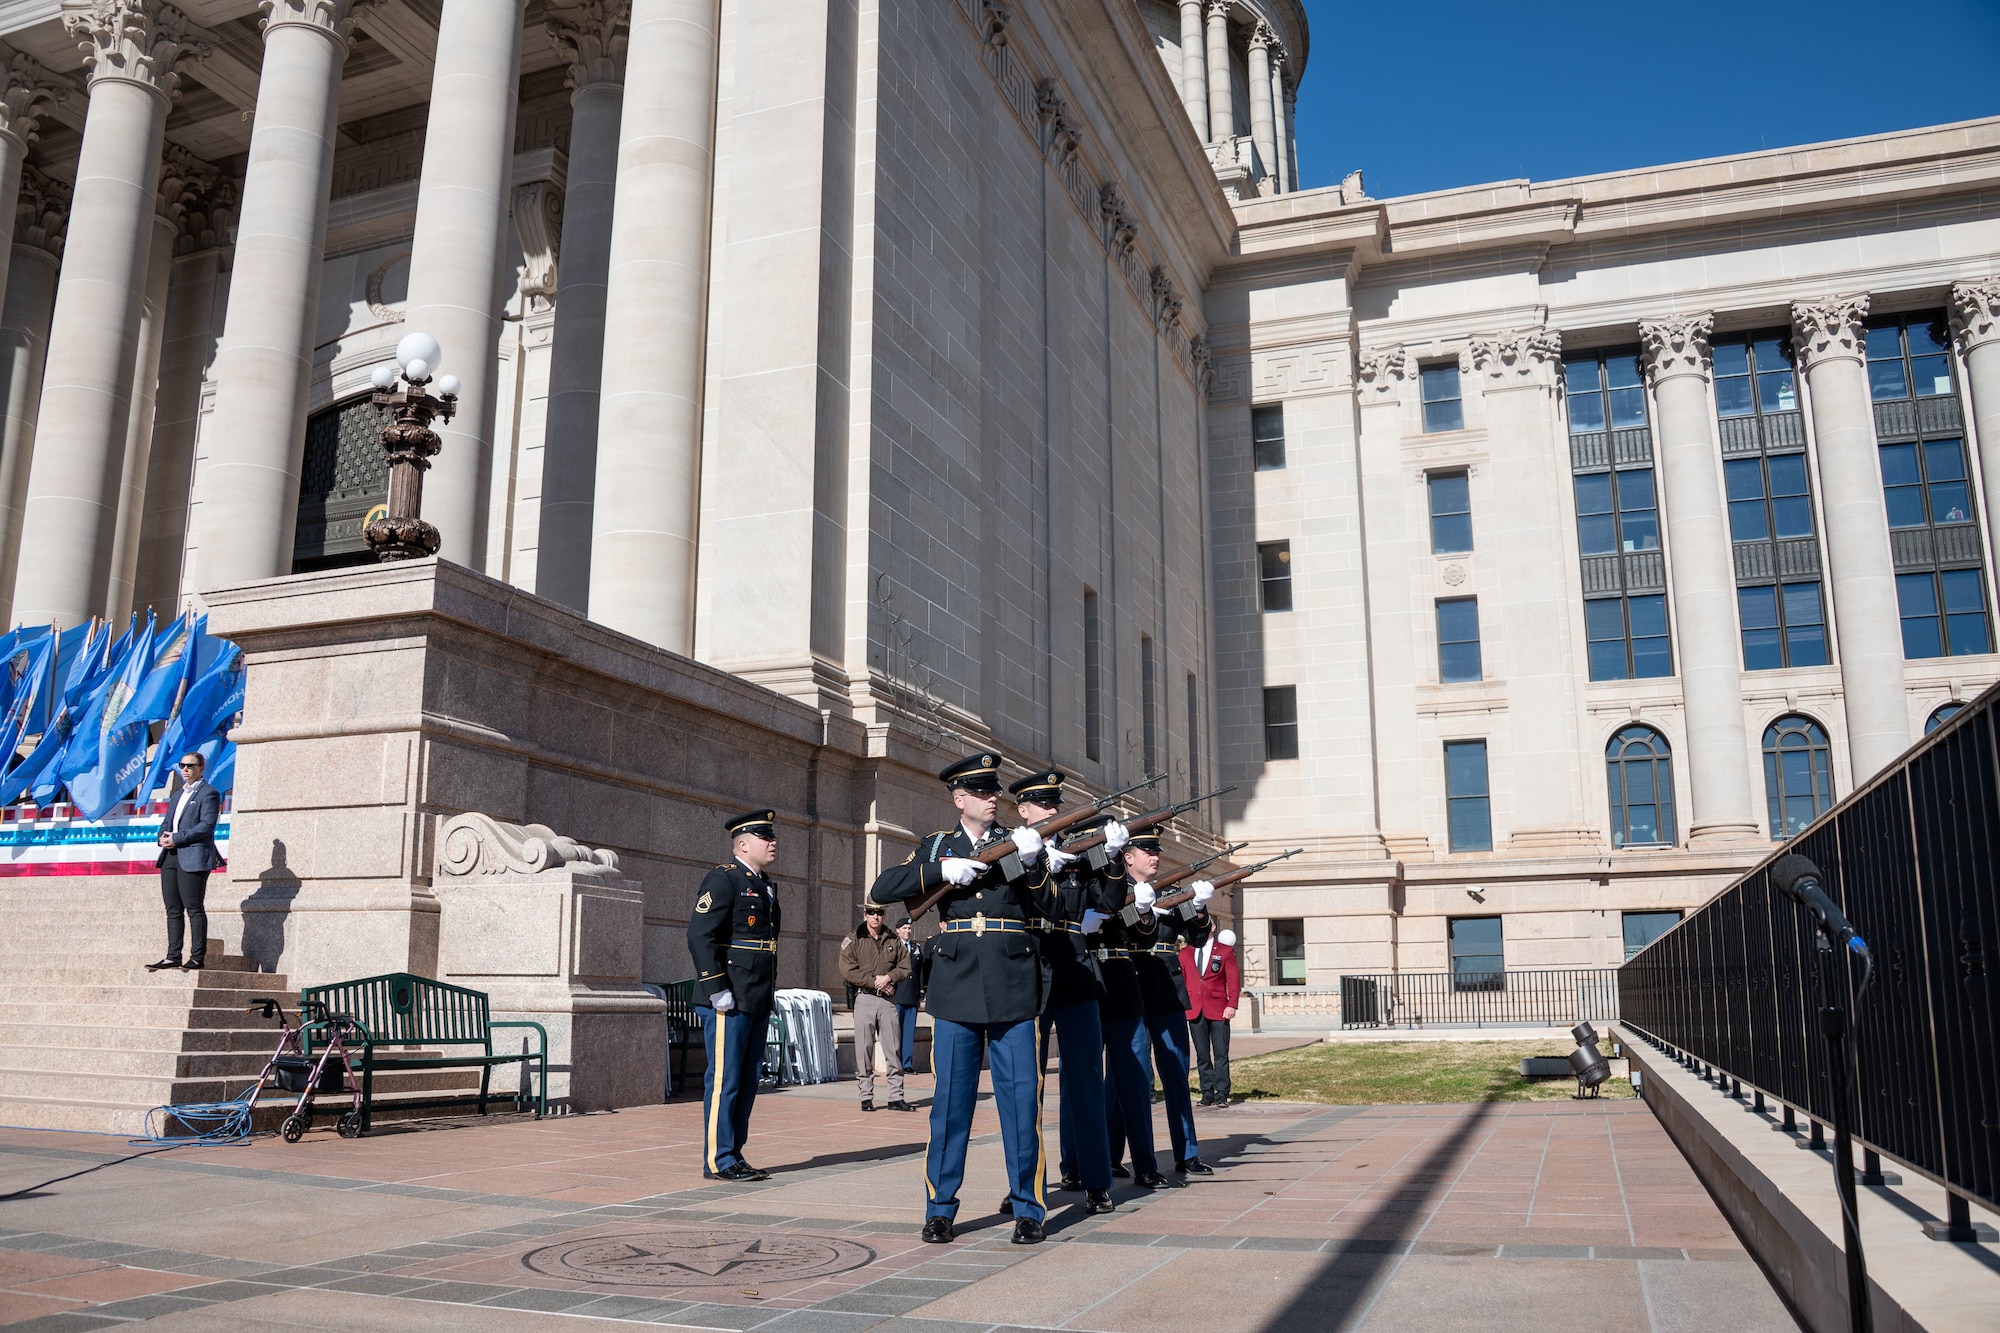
1128	1064
989	981
733	939
1156	957
1078	897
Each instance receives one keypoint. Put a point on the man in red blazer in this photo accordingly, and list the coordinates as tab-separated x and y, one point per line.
1215	988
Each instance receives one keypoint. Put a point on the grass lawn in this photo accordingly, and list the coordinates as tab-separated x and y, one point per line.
1384	1073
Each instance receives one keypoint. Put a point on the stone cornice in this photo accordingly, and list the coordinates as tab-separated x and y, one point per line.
1514	358
137	41
1676	345
1829	330
30	90
1975	313
590	36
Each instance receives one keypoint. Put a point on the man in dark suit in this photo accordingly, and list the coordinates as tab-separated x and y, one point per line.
187	855
733	940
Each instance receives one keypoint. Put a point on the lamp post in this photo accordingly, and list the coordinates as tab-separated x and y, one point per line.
402	534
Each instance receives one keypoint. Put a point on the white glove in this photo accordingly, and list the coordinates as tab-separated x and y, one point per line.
1093	920
1143	895
1203	891
1028	843
722	1002
1060	860
961	870
1115	838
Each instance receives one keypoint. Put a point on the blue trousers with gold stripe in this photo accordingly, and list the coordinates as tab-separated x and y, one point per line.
1014	1054
735	1046
1086	1151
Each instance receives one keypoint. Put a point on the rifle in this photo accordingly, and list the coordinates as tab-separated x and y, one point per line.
1004	854
1182	900
1146	822
1130	915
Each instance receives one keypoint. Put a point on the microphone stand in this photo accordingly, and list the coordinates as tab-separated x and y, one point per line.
1833	1026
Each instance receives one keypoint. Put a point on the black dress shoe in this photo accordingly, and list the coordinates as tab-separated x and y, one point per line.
867	1104
1027	1231
194	966
164	965
746	1172
1152	1180
937	1230
1194	1164
900	1105
1069	1184
1006	1208
1119	1172
1098	1201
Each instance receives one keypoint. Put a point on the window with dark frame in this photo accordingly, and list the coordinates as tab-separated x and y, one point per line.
1617	517
1798	774
1478	953
1288	952
1934	535
1942	714
1281	722
1093	681
1451	512
1443	408
1274	576
1267	437
1468	801
1458	639
1642	928
1149	723
1639	772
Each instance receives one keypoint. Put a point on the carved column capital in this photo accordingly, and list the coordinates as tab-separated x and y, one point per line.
1515	358
42	215
1676	345
30	90
993	20
1377	371
332	17
1830	330
1121	233
138	41
1060	138
1167	304
590	35
538	210
1219	10
197	199
1261	37
1975	312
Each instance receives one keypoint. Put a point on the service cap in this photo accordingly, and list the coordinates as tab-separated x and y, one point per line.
976	773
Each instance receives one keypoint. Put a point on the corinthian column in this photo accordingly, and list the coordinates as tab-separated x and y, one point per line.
1281	171
1194	67
591	36
29	90
1829	340
462	202
1263	133
130	47
263	368
38	225
1975	319
1221	103
649	437
1677	359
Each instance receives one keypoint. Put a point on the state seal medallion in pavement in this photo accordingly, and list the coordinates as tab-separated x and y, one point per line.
697	1257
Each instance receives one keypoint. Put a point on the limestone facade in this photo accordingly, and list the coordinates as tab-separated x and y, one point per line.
900	368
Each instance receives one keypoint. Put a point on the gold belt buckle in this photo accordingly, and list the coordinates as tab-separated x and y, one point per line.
978	924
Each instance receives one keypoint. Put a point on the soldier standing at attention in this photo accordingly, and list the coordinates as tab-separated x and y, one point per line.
988	983
1079	914
733	939
1156	956
1128	1062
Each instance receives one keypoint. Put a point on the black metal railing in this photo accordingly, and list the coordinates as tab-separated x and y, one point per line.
1911	858
1552	997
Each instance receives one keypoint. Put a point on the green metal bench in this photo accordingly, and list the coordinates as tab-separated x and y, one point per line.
400	1009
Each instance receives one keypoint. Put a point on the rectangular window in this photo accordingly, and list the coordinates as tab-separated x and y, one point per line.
1442	408
1753	375
1194	736
1478	955
1944	614
1451	513
1093	681
1924	485
1468	807
1768	498
1604	390
1784	625
1642	928
1909	352
1274	575
1458	639
1627	637
1267	435
1149	724
1288	952
1616	511
1281	722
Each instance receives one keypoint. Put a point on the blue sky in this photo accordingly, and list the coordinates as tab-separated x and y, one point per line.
1453	92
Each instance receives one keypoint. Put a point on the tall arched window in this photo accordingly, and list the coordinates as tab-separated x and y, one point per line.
1943	714
1640	771
1798	774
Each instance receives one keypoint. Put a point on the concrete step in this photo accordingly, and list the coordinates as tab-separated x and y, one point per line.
123	971
163	1012
115	1060
112	1037
220	990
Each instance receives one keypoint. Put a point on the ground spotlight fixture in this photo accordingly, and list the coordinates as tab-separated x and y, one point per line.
1589	1063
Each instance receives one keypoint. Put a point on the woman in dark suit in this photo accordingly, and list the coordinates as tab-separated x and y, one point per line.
187	855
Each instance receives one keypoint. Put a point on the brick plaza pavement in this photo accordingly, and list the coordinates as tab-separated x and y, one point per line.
1544	1216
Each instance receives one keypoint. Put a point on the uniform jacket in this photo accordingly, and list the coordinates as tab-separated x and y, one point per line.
864	958
910	990
996	975
1078	971
1113	944
732	935
1156	956
1219	988
194	834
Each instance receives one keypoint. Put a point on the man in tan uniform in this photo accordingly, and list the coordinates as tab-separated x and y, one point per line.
873	961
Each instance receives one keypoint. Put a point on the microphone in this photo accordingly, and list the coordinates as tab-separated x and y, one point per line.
1798	879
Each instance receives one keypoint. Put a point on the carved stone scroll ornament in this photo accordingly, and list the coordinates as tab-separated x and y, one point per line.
1830	330
1121	233
538	210
476	844
30	90
42	216
140	41
1676	345
1515	357
591	37
1203	362
1167	304
993	20
1378	369
1975	312
1061	137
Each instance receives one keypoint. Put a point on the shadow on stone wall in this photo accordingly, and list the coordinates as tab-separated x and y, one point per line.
266	909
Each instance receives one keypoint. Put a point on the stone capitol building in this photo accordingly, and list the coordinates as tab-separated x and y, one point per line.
850	383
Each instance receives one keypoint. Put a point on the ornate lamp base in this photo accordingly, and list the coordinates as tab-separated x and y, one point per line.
401	538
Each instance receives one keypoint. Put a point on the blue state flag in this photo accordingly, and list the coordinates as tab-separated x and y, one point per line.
206	709
19	651
219	758
92	664
68	643
170	675
36	773
119	756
